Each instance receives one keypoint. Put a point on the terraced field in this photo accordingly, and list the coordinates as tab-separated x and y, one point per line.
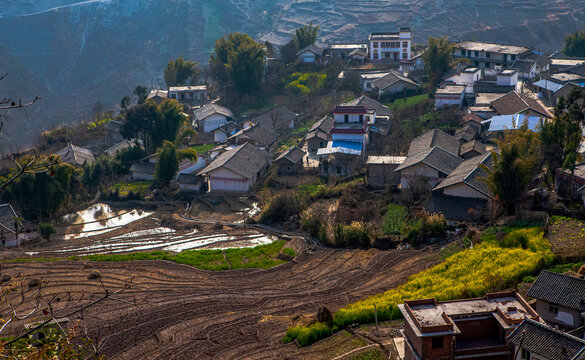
174	311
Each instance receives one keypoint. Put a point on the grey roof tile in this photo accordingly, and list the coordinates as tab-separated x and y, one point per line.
469	172
246	160
559	289
434	138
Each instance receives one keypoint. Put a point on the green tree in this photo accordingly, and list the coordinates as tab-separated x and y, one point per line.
179	71
240	60
305	35
125	103
168	160
288	52
169	123
269	48
514	167
437	58
575	44
142	93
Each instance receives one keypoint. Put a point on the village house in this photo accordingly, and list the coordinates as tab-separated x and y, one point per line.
432	156
514	122
487	55
113	150
473	120
472	149
340	163
211	116
393	83
381	110
526	68
463	196
463	75
390	46
560	300
143	171
534	340
192	95
312	54
236	170
466	133
158	96
258	135
344	51
189	182
561	63
367	79
114	132
463	329
226	130
318	135
290	162
279	119
450	95
514	103
75	155
380	170
563	181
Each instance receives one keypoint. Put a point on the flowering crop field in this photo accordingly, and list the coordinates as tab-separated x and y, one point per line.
489	266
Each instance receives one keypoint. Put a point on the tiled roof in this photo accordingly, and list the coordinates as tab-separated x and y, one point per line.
559	289
325	125
317	134
279	117
392	78
262	135
435	157
466	133
189	179
246	160
542	340
75	155
469	172
210	109
312	48
370	104
514	103
471	146
455	207
579	70
158	93
434	138
294	155
143	168
523	65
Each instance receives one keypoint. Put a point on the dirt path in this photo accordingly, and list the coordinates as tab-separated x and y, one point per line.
186	313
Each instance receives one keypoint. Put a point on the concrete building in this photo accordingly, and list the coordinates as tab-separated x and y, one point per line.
390	46
236	170
343	51
463	75
463	329
487	55
192	95
560	300
450	95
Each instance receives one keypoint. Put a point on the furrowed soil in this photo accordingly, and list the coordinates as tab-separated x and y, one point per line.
173	311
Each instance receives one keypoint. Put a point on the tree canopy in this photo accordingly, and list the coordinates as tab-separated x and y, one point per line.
575	44
240	60
288	52
305	36
152	124
179	71
141	93
168	161
437	58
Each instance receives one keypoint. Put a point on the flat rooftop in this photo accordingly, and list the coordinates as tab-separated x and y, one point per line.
188	88
567	62
487	98
564	77
492	48
349	46
470	70
385	160
451	90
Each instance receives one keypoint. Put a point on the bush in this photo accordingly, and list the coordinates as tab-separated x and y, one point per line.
46	230
355	234
394	219
420	231
280	209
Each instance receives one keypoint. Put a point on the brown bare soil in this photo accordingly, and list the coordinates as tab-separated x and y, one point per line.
567	239
174	311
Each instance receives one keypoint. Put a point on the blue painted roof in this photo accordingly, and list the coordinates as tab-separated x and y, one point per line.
512	122
347	144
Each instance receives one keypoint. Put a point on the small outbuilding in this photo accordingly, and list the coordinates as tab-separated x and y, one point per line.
291	161
380	170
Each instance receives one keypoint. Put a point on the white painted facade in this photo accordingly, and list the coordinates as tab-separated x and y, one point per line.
467	78
188	93
464	190
414	172
390	46
444	100
348	118
212	122
219	136
224	180
508	78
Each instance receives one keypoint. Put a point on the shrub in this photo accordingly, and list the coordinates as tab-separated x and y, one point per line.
394	219
355	234
46	230
280	209
421	230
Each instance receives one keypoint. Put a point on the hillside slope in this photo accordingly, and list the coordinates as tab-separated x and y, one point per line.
75	53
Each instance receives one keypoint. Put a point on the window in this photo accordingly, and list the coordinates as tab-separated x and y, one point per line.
468	52
361	118
477	63
338	170
182	96
386	55
462	52
346	118
488	55
553	309
173	96
505	57
477	54
191	95
525	354
437	343
487	64
375	44
405	44
513	57
405	56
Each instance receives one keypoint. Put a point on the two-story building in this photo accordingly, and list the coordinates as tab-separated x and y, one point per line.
487	55
463	329
192	95
211	116
390	46
463	75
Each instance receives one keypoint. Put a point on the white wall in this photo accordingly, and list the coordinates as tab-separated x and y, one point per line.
464	190
353	118
224	180
213	122
508	80
219	136
468	79
414	172
442	100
